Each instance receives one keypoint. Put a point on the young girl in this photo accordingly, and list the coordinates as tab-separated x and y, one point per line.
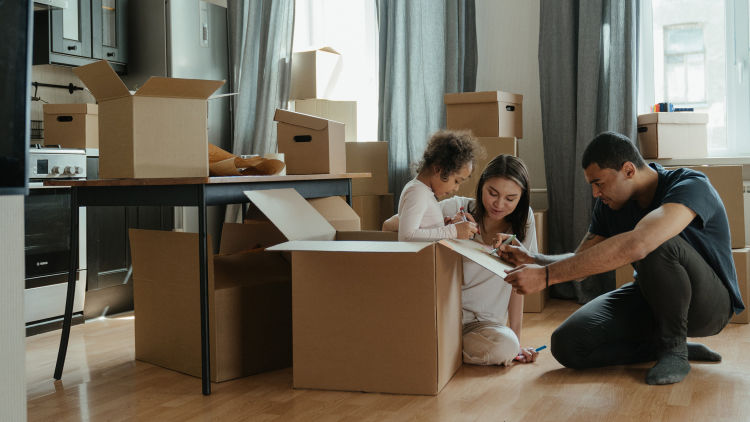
492	311
447	162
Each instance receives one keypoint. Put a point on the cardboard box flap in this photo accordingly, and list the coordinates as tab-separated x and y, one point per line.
237	238
292	214
157	86
337	212
70	109
300	119
351	246
686	118
326	49
477	253
102	81
482	97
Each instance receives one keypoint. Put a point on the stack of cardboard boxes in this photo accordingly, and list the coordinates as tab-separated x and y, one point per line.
496	119
370	197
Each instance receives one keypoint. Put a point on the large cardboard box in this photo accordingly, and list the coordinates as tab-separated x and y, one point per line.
311	145
339	111
486	114
160	131
535	302
368	157
249	294
727	180
373	210
673	135
71	125
315	73
493	147
742	266
368	315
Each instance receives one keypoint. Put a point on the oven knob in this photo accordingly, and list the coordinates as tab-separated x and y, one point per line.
77	170
54	170
68	170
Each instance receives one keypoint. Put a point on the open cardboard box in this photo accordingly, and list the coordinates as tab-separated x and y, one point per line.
370	315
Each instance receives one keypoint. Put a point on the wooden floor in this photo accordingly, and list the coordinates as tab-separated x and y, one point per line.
102	382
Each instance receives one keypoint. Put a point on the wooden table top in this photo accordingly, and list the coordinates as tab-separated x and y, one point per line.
203	180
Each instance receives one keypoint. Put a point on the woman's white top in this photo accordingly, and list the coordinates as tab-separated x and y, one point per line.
485	296
420	217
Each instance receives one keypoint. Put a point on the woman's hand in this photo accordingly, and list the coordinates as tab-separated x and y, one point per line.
514	253
527	355
466	230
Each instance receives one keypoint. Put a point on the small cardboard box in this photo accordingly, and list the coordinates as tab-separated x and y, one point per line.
249	302
337	212
535	302
727	180
339	111
373	210
673	135
71	125
368	315
742	266
368	157
311	145
493	147
486	114
160	131
315	73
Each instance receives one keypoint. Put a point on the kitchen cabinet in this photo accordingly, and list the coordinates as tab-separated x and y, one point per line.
83	32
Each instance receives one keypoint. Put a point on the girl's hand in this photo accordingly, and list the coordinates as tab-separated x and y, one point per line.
459	217
527	355
466	229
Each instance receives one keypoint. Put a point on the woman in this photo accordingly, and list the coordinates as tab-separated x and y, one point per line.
492	311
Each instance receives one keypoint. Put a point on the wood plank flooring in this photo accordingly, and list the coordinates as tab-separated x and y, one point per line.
102	382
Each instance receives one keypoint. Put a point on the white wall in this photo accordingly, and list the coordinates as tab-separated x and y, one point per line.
508	45
12	334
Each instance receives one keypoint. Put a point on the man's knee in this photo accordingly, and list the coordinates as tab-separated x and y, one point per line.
565	347
490	346
669	251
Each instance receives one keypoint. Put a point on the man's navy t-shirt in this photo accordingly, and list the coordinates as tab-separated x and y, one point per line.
708	233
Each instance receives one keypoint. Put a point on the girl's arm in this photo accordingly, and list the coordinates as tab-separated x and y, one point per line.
411	214
515	313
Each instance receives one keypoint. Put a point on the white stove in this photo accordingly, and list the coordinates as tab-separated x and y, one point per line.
57	163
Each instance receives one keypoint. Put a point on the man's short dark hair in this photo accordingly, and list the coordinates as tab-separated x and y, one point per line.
610	150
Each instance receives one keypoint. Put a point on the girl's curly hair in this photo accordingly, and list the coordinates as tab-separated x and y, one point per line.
450	150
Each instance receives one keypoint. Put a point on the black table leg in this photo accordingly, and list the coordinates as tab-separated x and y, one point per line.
349	192
70	297
203	256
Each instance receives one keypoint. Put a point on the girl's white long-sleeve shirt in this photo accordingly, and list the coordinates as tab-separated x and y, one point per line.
420	216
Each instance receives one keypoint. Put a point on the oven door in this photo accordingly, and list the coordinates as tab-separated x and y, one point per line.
47	250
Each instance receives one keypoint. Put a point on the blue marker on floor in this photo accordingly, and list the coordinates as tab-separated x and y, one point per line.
538	349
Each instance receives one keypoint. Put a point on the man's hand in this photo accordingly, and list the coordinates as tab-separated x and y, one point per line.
515	253
527	278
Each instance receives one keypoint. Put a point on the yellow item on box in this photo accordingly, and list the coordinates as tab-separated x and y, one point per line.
223	163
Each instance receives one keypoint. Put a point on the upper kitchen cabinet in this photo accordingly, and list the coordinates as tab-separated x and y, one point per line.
83	32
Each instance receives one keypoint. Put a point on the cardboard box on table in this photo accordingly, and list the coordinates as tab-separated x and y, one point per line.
486	114
160	131
742	266
727	180
249	294
71	125
315	73
493	147
370	316
311	145
373	210
368	157
535	302
339	111
673	135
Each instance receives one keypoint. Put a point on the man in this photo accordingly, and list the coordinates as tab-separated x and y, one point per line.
673	228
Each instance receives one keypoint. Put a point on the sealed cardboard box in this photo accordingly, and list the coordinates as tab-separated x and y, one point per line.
337	212
486	114
373	210
535	302
369	315
742	266
368	157
160	131
493	147
727	180
339	111
311	145
71	125
249	302
315	73
673	135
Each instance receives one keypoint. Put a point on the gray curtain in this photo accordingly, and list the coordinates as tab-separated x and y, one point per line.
587	70
427	49
260	34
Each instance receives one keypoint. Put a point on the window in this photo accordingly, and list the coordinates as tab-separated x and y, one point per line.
693	53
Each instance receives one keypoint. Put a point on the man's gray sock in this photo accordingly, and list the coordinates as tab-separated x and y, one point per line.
671	367
700	352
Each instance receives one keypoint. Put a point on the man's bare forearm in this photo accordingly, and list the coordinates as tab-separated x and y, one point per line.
550	259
